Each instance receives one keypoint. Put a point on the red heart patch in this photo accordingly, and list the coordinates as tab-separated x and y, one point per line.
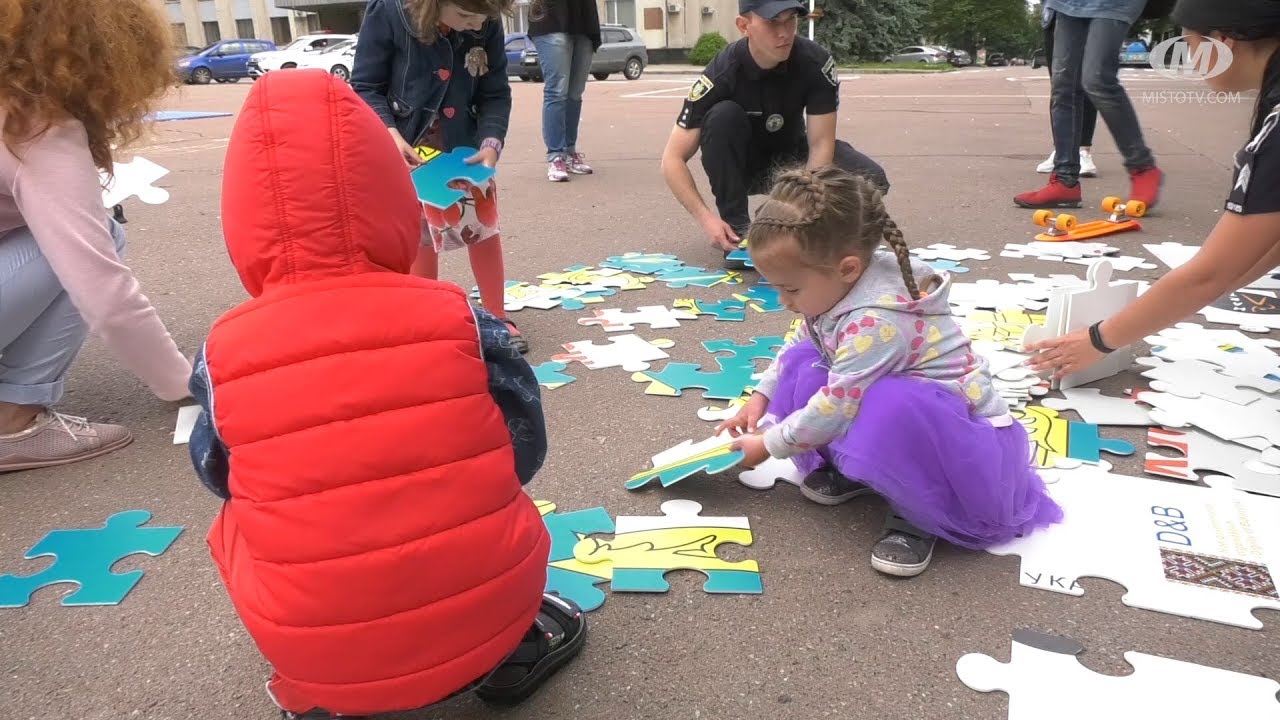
448	112
444	74
867	322
919	326
914	357
916	343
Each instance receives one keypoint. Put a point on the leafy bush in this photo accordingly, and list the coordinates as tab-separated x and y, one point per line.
707	47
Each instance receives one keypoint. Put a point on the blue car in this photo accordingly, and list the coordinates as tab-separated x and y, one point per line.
224	61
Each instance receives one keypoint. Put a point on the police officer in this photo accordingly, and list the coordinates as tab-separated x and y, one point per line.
747	116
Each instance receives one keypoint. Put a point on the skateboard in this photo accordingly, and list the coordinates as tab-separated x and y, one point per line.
1063	227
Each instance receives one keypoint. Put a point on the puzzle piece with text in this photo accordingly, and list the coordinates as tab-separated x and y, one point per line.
1045	681
438	170
85	557
134	178
1200	451
565	575
1206	553
645	549
657	317
712	455
1064	444
629	352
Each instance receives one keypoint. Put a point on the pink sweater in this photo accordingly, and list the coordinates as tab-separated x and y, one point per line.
55	191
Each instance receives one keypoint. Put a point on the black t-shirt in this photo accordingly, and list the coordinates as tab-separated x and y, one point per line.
1255	184
775	99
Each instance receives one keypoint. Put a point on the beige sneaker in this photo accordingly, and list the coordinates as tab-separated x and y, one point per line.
57	439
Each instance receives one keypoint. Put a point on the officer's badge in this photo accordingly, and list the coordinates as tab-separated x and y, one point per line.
829	71
773	123
700	88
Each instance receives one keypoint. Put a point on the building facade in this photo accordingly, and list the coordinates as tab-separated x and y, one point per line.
197	23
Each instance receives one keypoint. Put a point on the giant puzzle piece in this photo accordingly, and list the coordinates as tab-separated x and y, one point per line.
744	354
1256	311
657	317
1233	351
1256	425
1095	408
722	310
765	475
1005	326
596	278
1207	553
711	413
683	277
646	548
519	295
566	576
643	263
712	455
672	380
629	352
587	294
1064	444
943	251
549	375
1195	378
761	297
1045	681
85	557
1201	451
432	178
136	177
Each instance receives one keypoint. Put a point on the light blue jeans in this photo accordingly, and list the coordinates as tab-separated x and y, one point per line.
565	61
41	331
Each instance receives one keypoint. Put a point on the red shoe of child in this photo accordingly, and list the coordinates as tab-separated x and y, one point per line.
1053	195
1145	185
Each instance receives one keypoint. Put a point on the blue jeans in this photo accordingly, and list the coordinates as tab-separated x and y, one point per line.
41	331
565	61
1086	57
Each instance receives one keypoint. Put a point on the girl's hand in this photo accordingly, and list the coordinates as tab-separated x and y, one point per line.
487	157
747	418
406	150
1063	355
753	450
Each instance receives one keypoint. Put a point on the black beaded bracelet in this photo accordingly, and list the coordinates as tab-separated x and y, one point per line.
1095	337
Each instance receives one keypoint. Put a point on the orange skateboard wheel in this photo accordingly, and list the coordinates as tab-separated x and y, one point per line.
1110	203
1135	208
1042	217
1064	222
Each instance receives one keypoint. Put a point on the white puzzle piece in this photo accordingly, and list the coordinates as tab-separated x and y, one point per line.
1256	425
1097	409
1057	251
1045	681
1255	311
1076	308
520	295
1176	254
943	251
1194	378
657	317
765	475
629	352
136	177
1206	553
1233	351
994	295
1123	263
677	514
999	358
187	416
1200	451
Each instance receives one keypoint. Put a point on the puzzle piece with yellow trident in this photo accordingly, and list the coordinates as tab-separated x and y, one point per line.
644	549
1065	444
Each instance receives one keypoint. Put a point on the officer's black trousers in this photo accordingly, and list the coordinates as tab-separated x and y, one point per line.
738	166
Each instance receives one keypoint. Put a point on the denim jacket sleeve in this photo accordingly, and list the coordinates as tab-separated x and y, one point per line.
375	53
208	455
493	91
515	389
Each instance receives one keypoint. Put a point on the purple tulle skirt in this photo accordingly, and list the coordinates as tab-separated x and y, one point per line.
948	472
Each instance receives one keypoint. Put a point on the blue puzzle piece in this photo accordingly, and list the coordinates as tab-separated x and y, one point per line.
681	278
740	256
710	462
718	581
722	310
761	297
578	587
431	179
1085	443
744	354
580	302
566	529
947	266
168	115
644	263
549	374
726	384
85	557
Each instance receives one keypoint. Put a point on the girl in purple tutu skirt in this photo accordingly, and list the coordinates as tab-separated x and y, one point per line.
880	391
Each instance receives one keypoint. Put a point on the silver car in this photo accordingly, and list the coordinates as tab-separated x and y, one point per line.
918	54
621	50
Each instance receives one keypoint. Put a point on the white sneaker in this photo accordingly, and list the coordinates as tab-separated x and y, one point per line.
1047	165
558	170
1087	168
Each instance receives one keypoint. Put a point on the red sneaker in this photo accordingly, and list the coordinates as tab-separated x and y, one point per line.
1053	195
1145	185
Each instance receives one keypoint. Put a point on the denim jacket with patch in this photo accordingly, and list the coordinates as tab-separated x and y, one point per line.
511	383
410	83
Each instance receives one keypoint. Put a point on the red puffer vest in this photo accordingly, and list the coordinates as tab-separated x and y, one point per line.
377	546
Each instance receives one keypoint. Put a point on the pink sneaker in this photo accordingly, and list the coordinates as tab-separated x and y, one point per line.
558	170
57	439
578	164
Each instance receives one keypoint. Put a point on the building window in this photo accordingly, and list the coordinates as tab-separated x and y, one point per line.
211	33
244	29
179	32
313	23
620	12
518	22
281	32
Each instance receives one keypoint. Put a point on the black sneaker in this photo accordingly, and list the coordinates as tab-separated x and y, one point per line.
828	487
903	550
556	637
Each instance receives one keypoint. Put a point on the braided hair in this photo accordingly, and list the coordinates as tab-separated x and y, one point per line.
832	214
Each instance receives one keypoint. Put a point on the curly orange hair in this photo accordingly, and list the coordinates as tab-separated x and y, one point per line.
102	62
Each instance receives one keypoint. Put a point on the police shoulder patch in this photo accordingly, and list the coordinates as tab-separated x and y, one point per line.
700	88
830	73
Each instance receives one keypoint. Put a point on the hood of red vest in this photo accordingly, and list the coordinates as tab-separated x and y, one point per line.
314	187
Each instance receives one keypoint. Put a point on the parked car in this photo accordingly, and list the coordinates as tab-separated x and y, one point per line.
918	53
1038	58
996	60
621	50
958	58
337	60
292	55
224	61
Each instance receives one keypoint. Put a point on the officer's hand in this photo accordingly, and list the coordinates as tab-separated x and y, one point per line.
720	234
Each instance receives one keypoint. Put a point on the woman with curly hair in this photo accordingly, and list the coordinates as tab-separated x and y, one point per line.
77	77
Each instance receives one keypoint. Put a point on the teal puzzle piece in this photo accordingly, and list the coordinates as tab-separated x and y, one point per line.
729	310
549	374
566	529
644	263
669	475
683	277
726	384
947	266
578	587
760	348
741	255
762	298
1085	443
85	557
431	179
579	302
718	581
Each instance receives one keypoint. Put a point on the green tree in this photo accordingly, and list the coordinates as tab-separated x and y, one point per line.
1006	26
868	30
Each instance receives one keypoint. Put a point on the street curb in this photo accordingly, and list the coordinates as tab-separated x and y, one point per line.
694	70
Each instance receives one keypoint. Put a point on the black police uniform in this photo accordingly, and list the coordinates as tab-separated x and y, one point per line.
752	122
1255	182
